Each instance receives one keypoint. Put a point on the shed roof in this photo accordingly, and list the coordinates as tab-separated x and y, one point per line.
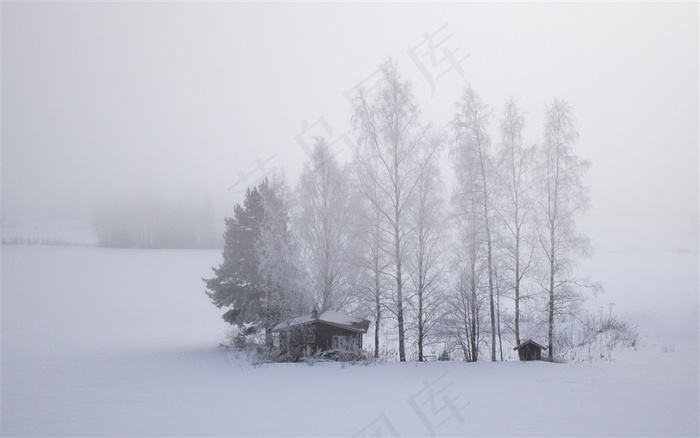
529	341
330	317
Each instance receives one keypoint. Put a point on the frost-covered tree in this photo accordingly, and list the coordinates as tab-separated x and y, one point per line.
325	226
372	256
515	206
472	142
236	284
428	248
464	305
281	294
259	277
391	135
462	321
561	196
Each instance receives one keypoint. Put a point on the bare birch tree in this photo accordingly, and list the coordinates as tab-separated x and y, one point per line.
562	195
470	126
325	227
516	167
372	255
463	318
391	134
428	248
464	305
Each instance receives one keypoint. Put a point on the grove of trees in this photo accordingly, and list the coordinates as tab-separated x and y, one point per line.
467	269
151	221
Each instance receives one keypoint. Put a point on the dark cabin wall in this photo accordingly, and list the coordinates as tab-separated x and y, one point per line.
325	333
323	337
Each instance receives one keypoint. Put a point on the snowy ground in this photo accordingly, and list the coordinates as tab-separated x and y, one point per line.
107	342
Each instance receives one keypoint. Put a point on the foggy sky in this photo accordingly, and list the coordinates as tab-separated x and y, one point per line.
103	99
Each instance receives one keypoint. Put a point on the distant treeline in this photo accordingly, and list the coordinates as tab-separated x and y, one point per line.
147	221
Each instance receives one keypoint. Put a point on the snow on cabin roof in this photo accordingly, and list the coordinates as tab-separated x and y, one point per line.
529	341
330	317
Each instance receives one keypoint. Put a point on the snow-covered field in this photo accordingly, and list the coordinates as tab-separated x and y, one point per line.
107	342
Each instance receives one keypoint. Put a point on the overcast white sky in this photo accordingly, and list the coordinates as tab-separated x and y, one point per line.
99	99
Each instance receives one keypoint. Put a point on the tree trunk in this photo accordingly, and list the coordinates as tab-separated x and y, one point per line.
378	308
420	322
475	317
498	318
397	249
399	313
550	345
490	272
399	292
376	329
517	286
489	258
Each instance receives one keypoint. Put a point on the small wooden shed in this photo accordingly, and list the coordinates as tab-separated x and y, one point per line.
530	350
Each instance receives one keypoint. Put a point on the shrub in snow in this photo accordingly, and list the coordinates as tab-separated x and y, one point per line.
593	337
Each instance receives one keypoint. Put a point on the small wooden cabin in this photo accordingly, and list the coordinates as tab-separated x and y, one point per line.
329	330
530	350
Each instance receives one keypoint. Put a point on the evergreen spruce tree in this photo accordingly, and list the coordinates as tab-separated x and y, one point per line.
237	281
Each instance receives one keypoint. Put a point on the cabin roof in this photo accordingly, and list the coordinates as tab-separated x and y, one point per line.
529	341
330	317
